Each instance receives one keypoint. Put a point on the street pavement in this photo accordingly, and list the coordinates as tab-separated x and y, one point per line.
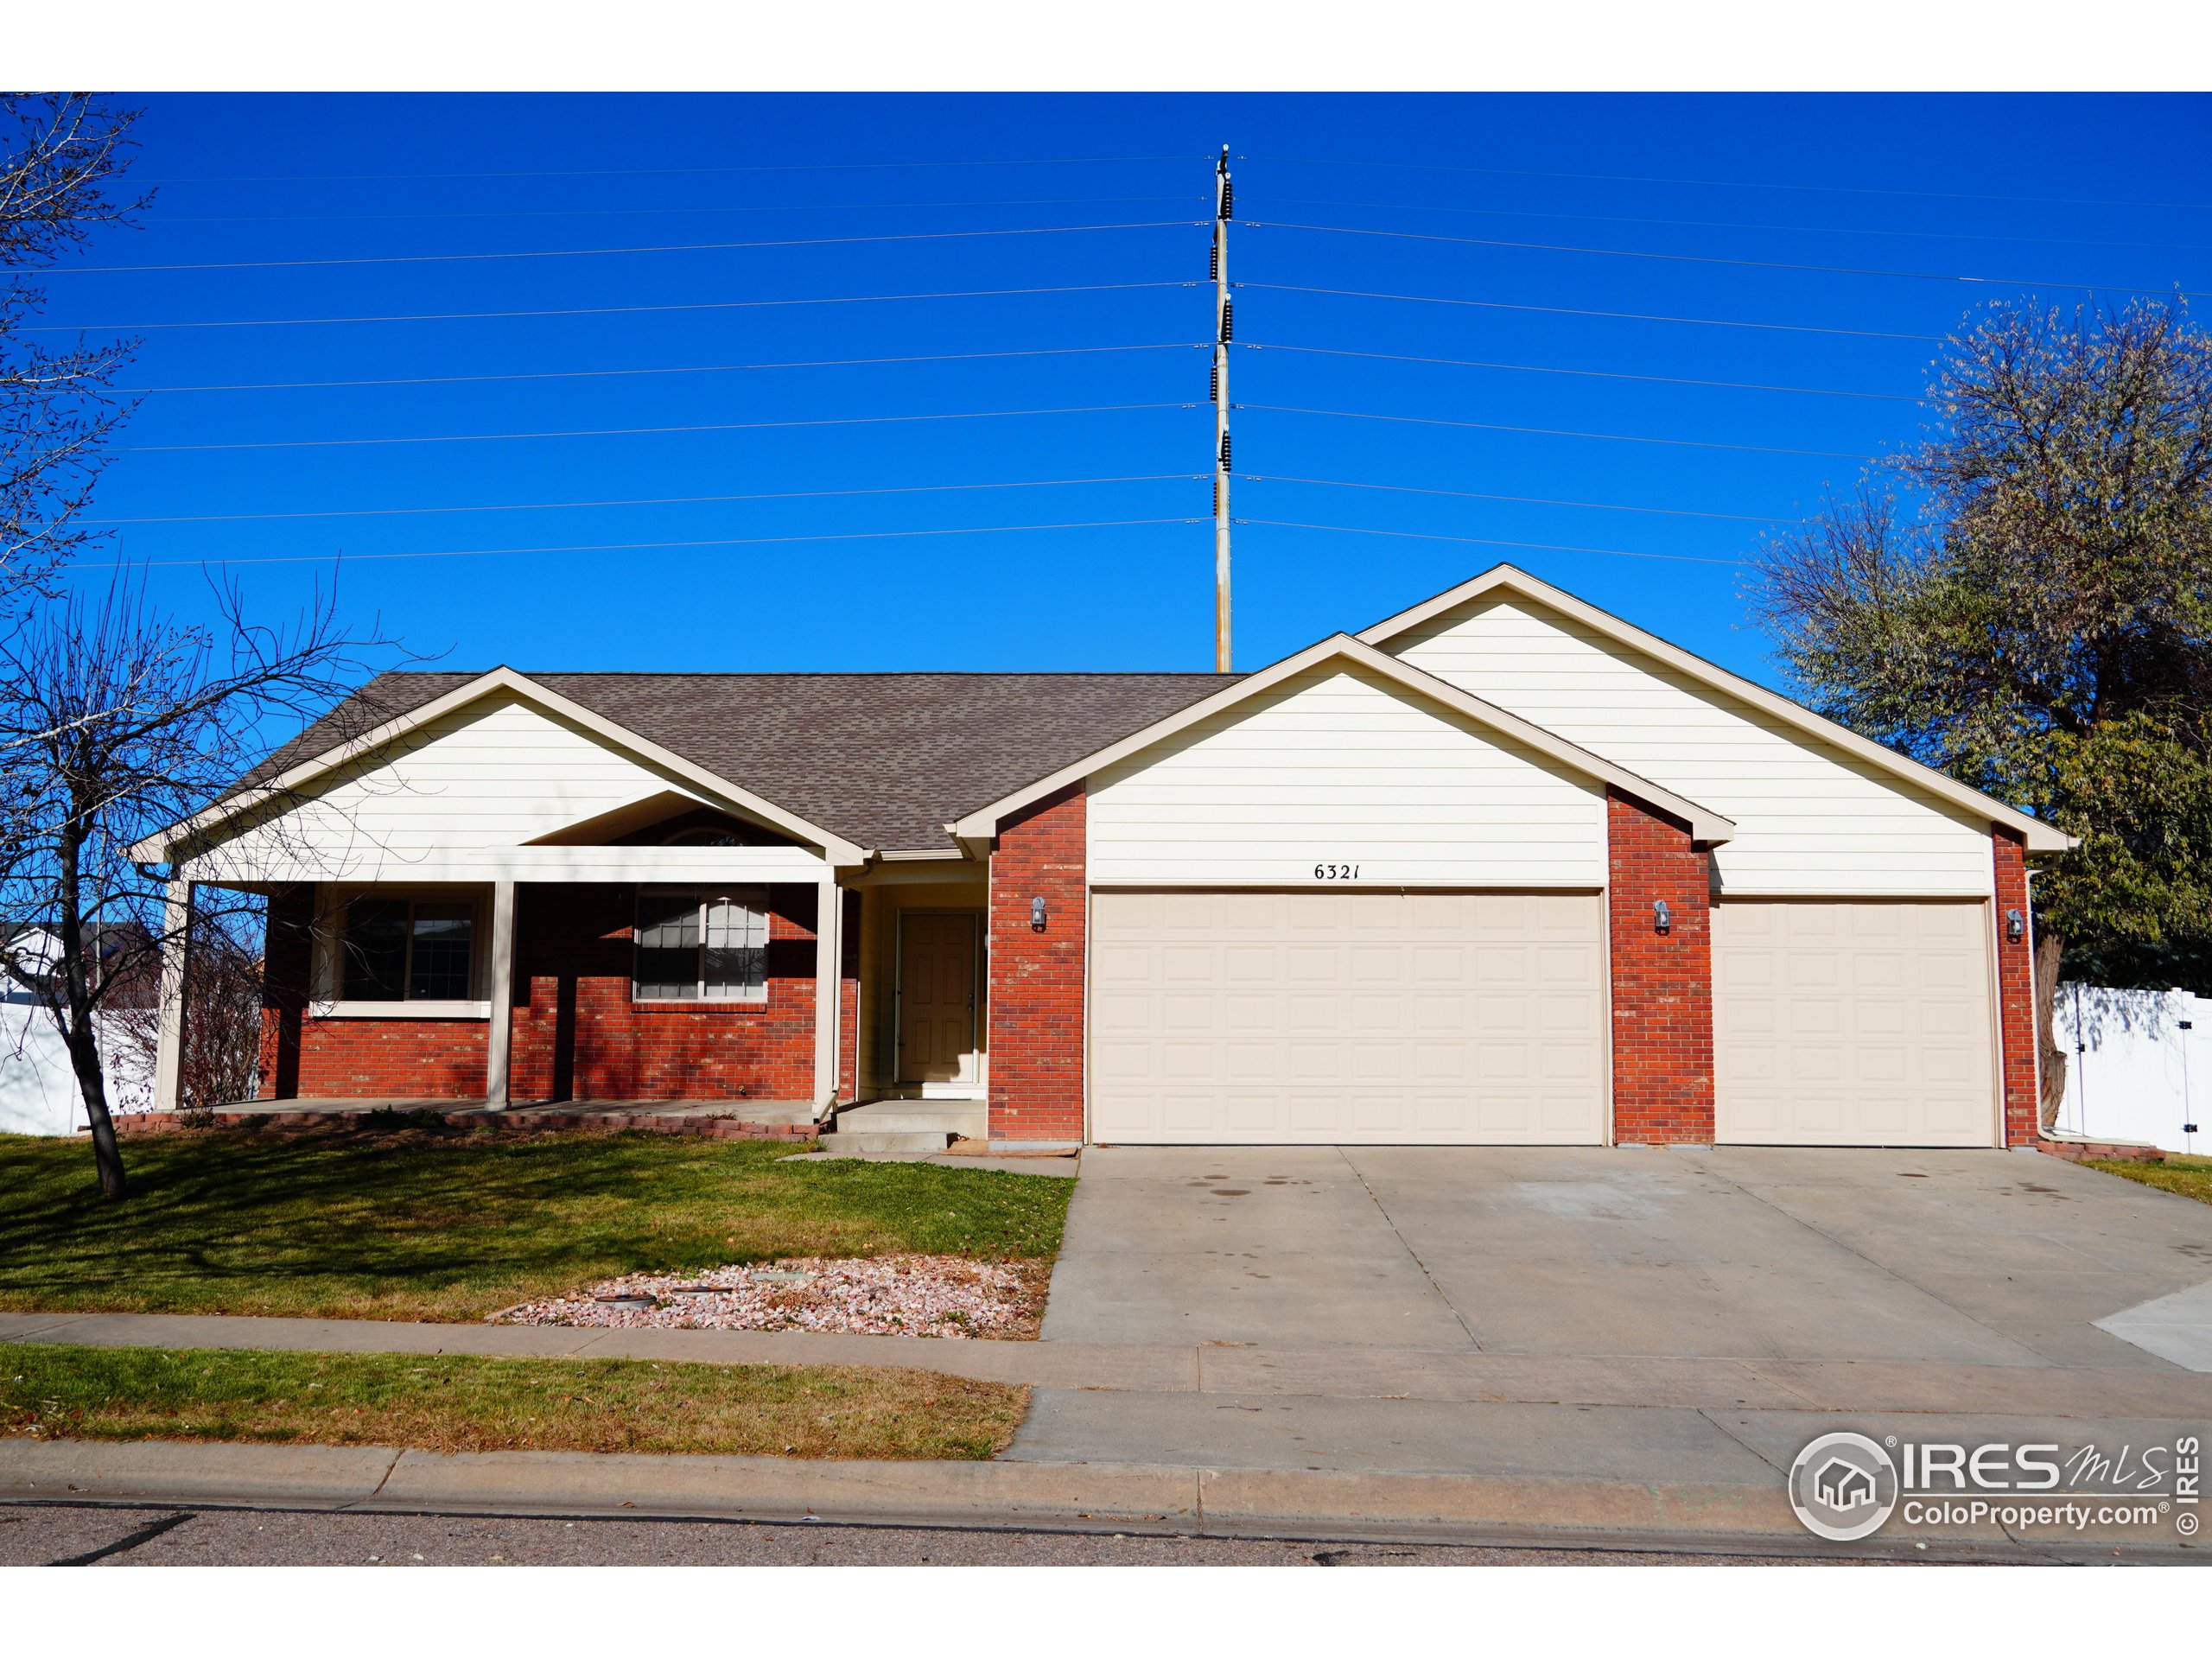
67	1535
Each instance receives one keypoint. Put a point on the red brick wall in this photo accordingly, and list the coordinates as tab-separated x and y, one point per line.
2015	993
578	1036
576	1033
1663	983
302	1057
1036	979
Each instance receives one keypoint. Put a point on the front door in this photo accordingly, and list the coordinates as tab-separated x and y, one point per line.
937	996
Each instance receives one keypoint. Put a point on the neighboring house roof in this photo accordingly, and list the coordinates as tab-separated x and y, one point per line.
883	761
1706	825
1506	579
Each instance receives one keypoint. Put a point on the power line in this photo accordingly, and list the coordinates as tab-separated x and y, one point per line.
596	310
1597	374
583	253
648	501
1576	311
1718	224
1470	495
1554	432
701	368
659	212
1486	541
625	547
637	431
661	172
1735	184
1717	259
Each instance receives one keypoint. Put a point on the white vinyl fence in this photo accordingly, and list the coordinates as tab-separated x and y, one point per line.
2138	1065
38	1091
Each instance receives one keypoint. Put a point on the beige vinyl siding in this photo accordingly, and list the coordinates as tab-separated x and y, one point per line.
495	774
1319	1017
1853	1023
1809	819
1342	766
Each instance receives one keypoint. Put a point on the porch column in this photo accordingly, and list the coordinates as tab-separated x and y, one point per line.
829	986
499	1041
168	1053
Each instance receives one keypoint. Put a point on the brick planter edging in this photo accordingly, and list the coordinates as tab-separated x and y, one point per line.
2081	1152
715	1128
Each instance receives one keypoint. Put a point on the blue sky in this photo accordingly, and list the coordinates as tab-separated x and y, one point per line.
2020	190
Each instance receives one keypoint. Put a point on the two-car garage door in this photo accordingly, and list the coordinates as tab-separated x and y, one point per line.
1347	1016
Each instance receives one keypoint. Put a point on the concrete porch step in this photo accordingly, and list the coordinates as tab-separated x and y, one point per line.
906	1125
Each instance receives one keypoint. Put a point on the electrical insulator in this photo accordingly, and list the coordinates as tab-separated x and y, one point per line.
1213	383
1224	452
1228	198
1213	262
1228	319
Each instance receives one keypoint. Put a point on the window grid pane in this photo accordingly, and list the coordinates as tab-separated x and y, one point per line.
735	965
375	952
668	948
444	941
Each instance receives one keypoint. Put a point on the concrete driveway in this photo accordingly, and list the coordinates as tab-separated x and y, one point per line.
1982	1258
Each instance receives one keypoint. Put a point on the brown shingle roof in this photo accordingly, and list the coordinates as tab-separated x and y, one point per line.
885	761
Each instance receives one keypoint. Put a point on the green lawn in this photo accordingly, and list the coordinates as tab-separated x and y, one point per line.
413	1224
464	1403
2190	1177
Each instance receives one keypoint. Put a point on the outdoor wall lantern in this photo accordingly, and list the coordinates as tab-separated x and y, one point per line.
1036	913
2016	925
1663	919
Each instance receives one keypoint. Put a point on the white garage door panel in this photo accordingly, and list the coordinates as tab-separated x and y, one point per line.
1861	1023
1320	1017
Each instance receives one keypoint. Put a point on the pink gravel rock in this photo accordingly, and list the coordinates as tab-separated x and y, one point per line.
882	1295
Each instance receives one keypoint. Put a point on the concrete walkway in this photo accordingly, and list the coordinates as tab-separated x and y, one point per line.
1379	1375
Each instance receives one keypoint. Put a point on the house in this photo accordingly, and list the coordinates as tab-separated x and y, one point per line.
1843	1485
1502	868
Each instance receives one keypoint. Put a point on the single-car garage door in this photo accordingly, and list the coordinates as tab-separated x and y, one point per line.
1859	1023
1321	1016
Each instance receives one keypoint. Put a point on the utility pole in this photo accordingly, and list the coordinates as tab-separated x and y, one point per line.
1224	320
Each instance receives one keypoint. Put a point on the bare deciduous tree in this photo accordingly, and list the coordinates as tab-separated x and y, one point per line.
61	157
221	1055
117	721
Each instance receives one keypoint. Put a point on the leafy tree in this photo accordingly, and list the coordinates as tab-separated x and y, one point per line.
2023	599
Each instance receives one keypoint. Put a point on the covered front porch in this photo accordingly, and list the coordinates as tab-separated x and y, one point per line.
605	980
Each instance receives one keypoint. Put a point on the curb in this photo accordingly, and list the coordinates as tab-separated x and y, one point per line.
1175	1496
1081	1497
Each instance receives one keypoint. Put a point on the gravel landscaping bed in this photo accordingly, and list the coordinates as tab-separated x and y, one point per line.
883	1295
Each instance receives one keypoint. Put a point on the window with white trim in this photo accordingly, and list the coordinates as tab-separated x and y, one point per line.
408	950
700	946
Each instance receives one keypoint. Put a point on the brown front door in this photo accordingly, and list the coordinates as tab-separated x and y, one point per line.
937	997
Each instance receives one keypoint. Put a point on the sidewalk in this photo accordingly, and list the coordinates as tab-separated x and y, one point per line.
1339	1443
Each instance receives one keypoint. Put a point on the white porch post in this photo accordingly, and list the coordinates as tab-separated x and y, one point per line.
829	986
500	1041
169	1054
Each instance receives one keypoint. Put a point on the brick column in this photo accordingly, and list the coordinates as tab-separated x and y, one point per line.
286	964
1663	983
1036	977
848	1002
2016	993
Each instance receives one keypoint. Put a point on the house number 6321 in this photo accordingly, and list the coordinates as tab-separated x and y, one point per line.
1336	872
